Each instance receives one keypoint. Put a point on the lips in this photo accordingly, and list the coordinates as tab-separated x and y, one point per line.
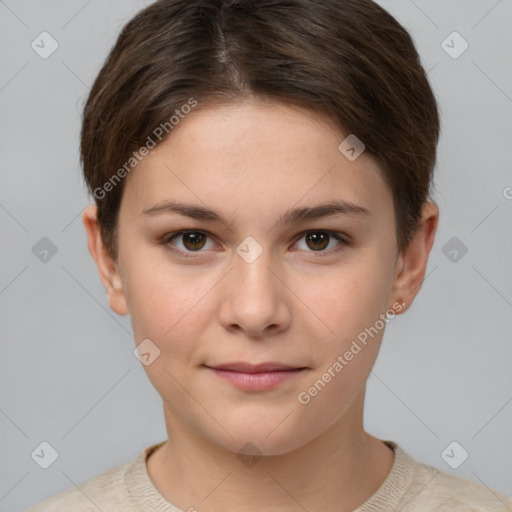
256	377
242	367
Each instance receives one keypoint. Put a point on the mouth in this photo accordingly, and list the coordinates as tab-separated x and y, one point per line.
256	377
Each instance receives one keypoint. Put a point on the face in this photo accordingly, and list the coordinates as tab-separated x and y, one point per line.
231	251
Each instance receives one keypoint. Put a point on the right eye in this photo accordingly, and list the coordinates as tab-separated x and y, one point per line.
190	241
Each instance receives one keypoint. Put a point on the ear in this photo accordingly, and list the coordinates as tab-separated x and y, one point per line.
412	263
107	267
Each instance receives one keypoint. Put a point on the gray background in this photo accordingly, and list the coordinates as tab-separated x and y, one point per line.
68	374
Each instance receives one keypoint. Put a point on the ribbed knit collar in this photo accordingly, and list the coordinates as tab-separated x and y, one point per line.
145	495
388	496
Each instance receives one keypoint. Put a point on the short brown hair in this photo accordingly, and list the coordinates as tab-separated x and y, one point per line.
349	59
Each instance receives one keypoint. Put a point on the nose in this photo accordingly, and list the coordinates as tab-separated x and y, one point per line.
256	299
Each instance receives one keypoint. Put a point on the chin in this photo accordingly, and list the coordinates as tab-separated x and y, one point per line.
261	445
261	438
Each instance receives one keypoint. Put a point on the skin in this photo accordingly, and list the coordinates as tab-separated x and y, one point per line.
299	303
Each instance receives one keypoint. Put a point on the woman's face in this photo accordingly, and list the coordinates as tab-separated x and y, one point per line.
260	277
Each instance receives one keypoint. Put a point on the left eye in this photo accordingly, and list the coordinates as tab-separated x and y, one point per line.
318	241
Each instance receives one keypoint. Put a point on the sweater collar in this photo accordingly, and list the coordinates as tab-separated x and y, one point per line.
145	496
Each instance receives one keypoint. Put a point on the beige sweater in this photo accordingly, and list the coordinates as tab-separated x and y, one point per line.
411	486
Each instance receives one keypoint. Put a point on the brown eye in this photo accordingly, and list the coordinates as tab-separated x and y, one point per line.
322	242
317	240
194	241
189	241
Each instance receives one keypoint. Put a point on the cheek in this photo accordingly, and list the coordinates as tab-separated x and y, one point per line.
350	304
347	299
161	295
168	309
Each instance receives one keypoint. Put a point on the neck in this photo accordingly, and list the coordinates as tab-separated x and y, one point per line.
337	471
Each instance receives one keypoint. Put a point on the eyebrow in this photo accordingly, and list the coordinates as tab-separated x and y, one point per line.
337	207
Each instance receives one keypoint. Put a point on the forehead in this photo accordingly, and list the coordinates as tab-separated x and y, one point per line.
256	155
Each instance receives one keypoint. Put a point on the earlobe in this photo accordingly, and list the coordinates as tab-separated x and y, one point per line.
107	267
413	262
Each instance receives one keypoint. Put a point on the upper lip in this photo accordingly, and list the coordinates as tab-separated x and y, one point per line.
243	367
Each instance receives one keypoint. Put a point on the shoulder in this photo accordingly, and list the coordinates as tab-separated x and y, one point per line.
433	489
106	491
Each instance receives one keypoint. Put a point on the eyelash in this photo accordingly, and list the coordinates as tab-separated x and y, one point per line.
166	241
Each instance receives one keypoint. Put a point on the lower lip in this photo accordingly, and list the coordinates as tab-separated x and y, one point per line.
257	381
